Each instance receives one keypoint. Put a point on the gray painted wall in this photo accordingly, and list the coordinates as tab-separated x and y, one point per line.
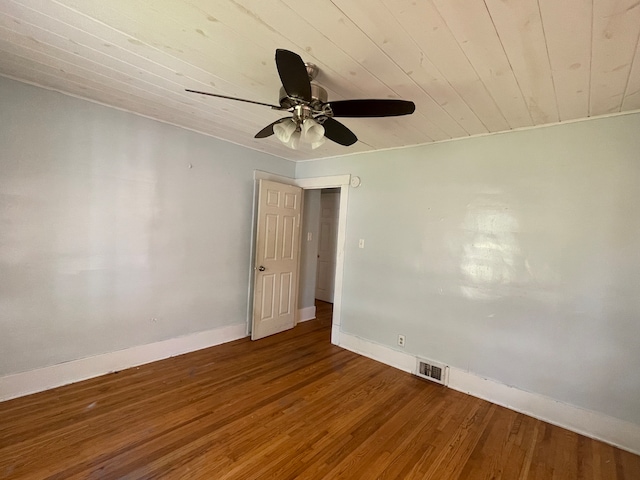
108	239
513	256
309	249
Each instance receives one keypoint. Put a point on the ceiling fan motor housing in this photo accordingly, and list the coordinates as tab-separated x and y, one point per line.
318	98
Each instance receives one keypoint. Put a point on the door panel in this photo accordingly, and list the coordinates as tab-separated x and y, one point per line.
277	252
285	294
271	237
268	295
289	238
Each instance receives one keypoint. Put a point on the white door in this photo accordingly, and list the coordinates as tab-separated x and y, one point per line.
326	272
277	249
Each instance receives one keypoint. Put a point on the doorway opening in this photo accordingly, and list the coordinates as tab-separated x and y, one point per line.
318	253
307	309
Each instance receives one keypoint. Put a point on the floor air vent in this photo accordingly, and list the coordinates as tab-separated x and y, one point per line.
434	371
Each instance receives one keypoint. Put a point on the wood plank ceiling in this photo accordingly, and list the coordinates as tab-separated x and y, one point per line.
470	66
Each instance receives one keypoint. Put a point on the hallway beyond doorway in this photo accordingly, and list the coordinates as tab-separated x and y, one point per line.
324	310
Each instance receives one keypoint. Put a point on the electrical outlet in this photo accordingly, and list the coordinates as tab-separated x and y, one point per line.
401	340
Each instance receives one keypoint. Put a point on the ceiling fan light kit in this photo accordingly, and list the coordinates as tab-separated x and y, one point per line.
301	127
312	117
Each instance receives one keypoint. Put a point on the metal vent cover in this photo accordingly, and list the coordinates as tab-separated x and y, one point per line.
434	371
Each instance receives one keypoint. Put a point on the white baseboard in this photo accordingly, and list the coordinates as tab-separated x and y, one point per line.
400	360
307	313
613	431
25	383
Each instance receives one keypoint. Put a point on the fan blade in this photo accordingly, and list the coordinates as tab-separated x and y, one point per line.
293	74
371	108
268	130
275	107
337	132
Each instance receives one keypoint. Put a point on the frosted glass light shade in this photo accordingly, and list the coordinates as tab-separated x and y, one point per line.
294	140
315	145
284	130
312	131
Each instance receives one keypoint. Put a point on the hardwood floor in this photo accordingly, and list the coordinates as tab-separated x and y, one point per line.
288	406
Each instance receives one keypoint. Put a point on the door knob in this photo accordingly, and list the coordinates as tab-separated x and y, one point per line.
261	268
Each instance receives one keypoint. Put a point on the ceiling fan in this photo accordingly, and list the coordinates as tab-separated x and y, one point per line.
312	115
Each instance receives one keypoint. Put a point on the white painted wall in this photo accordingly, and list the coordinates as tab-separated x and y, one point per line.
515	257
108	239
309	249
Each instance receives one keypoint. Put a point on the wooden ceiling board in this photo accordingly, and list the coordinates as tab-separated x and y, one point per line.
97	75
431	34
519	26
471	66
375	20
211	52
108	48
569	53
616	25
632	92
473	29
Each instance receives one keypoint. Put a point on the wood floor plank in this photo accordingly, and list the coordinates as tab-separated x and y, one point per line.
290	406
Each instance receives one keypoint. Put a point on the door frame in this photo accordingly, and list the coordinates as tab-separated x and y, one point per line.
315	183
